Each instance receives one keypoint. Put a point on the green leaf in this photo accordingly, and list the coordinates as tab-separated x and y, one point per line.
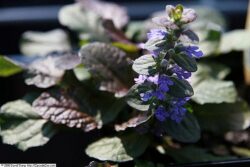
243	152
23	127
109	114
137	104
81	73
118	14
180	88
188	36
209	70
136	31
134	101
209	26
215	91
118	149
129	48
154	44
190	154
144	65
35	43
144	164
220	118
186	62
108	64
187	131
7	67
85	21
237	40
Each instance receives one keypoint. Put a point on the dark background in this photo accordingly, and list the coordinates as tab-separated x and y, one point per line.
17	16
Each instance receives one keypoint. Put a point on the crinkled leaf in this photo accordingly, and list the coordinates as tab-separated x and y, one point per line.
133	122
114	33
144	64
185	62
109	64
118	149
154	44
8	67
41	43
85	21
237	40
23	127
191	154
187	131
209	70
107	10
215	91
181	88
67	61
134	101
220	118
61	109
44	73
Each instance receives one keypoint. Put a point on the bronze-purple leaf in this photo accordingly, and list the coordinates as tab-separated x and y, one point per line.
133	122
110	65
43	72
115	33
61	109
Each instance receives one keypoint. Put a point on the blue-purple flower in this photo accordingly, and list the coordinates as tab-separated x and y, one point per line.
156	34
146	96
193	51
161	113
164	82
159	94
177	110
180	73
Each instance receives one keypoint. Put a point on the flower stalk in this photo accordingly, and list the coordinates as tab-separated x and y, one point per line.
163	72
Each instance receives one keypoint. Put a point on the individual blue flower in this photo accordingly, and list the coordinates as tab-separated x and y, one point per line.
159	94
156	34
177	110
193	51
141	79
161	114
146	96
177	113
180	73
164	82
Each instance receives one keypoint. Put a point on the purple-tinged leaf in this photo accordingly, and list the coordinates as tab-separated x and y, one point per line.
109	64
61	109
133	122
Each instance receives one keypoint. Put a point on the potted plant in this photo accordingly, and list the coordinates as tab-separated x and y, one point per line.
148	91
